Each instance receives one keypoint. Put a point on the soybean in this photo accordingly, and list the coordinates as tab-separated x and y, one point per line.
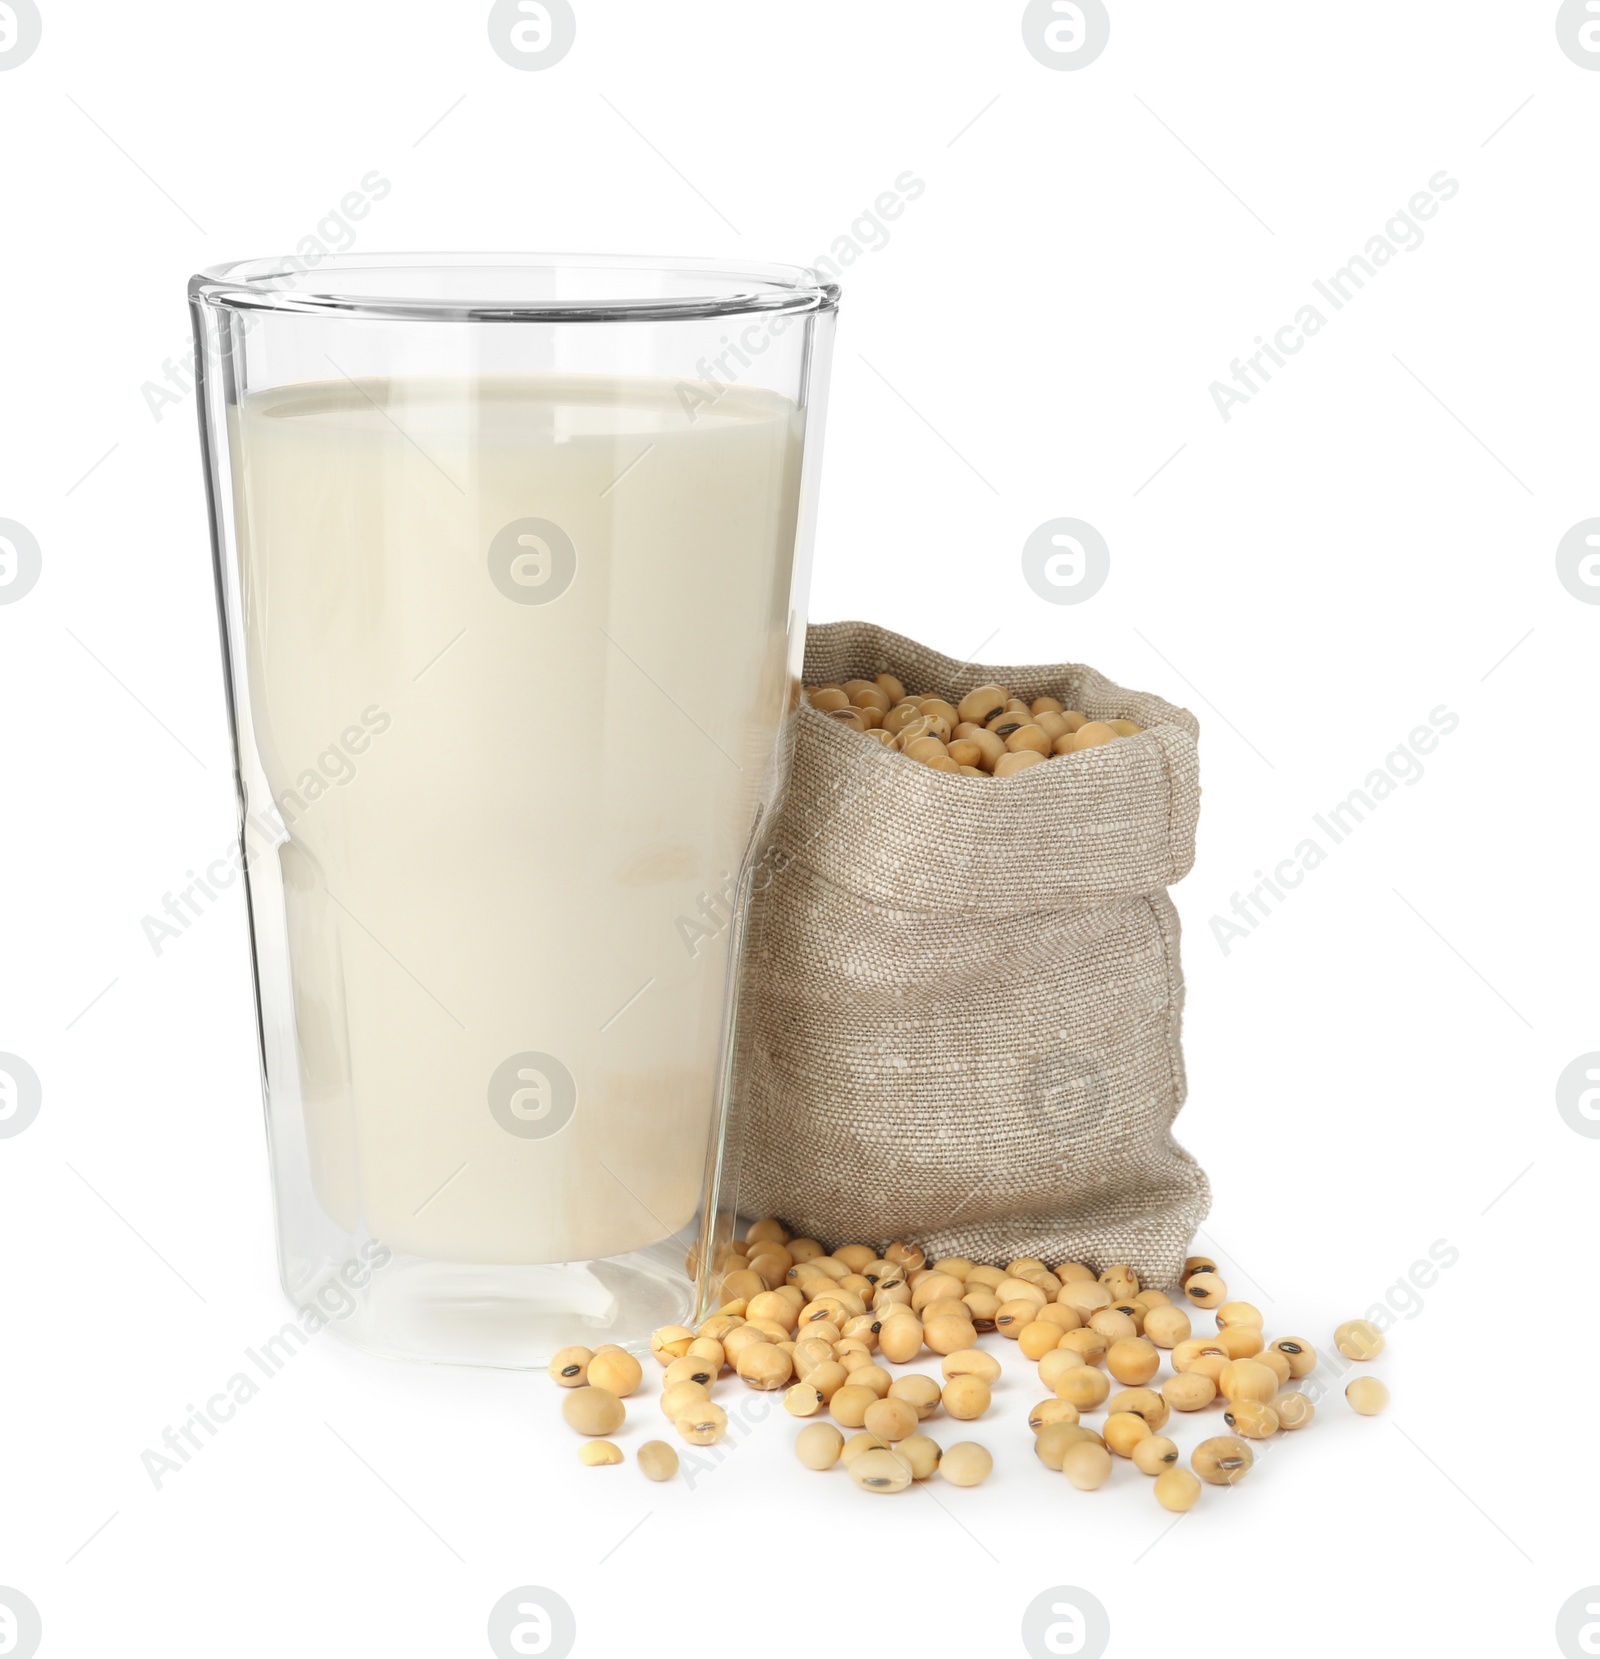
1166	1326
1223	1461
1085	1295
1086	1465
1188	1391
1133	1360
891	1419
1143	1402
670	1342
1089	1346
922	1453
1051	1442
827	1378
1302	1357
568	1367
1247	1379
703	1425
1113	1325
1058	1314
966	1464
1051	1411
873	1377
774	1305
691	1368
593	1411
919	1392
597	1452
817	1446
966	1397
1155	1454
1359	1339
657	1460
803	1399
1206	1290
849	1405
1367	1395
765	1366
1240	1341
1254	1419
1123	1431
1036	1340
973	1362
900	1339
983	704
682	1397
859	1443
1177	1490
881	1470
1083	1387
1294	1410
1029	739
1014	1316
1091	735
809	1353
982	1306
949	1335
1278	1362
1201	1354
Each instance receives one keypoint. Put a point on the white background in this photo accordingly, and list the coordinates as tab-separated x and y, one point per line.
1372	1069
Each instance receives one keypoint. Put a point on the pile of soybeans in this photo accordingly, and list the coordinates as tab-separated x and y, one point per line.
827	1328
989	733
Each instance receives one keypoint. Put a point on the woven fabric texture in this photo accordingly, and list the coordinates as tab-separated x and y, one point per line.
961	997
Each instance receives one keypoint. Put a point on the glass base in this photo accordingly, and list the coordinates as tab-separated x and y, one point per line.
516	1318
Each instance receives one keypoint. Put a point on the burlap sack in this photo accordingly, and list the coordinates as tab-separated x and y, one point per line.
960	1000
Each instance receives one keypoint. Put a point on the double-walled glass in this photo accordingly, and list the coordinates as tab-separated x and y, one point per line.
511	558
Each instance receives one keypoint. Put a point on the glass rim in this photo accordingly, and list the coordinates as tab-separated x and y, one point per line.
714	287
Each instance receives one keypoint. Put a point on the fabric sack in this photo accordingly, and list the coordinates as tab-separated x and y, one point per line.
960	999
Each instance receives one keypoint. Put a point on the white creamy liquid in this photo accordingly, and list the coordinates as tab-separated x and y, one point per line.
520	845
